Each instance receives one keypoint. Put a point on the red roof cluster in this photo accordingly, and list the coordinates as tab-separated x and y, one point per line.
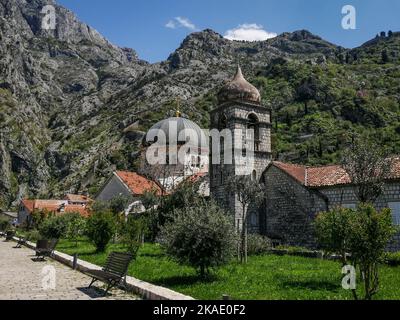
327	175
55	206
138	184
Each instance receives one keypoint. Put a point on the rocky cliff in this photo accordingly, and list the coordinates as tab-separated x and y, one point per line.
73	106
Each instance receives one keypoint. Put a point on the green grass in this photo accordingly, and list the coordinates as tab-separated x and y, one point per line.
267	277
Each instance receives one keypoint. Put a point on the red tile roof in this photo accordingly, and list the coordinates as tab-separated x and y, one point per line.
77	198
54	206
138	184
325	176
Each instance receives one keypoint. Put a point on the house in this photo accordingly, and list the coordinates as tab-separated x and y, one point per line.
129	184
57	207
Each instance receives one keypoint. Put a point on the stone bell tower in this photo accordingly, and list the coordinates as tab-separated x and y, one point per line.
241	113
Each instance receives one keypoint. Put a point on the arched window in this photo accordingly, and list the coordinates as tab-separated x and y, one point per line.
253	124
223	122
254	175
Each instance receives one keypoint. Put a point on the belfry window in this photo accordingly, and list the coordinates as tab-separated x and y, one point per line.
253	126
222	123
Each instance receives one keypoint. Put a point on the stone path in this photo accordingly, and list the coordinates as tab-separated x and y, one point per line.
23	279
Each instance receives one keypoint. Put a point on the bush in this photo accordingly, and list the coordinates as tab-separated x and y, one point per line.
257	244
4	224
202	237
53	228
100	229
33	235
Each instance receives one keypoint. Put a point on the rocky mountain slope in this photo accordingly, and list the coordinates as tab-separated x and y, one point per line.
73	107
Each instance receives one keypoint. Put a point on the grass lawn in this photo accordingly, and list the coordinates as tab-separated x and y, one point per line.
267	277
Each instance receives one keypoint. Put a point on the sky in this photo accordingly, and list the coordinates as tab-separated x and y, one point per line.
155	28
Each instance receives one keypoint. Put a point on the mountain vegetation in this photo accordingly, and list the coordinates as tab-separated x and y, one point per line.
74	107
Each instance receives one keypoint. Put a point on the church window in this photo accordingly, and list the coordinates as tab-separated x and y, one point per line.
253	124
223	123
254	175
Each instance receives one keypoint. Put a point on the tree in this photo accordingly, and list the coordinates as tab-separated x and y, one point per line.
100	229
248	192
306	91
385	56
368	167
370	234
362	234
54	227
76	226
201	236
332	229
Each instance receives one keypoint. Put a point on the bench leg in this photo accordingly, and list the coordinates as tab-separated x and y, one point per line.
91	283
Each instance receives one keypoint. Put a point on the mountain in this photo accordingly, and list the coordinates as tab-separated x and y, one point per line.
74	107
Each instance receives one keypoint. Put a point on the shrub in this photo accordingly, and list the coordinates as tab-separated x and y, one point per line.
100	229
4	224
257	244
201	236
53	228
33	235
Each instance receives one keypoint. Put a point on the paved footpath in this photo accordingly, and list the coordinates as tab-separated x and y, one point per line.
23	279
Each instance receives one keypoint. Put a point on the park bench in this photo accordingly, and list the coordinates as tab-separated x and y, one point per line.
44	248
114	272
21	242
10	235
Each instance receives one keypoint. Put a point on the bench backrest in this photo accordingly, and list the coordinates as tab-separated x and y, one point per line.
42	244
118	263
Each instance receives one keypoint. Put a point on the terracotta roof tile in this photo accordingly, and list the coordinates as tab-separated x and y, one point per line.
138	184
77	197
325	176
54	206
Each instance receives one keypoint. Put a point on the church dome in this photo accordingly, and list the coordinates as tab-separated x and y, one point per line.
239	89
181	131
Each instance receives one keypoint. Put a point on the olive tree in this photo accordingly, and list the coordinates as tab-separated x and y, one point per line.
368	167
201	236
249	193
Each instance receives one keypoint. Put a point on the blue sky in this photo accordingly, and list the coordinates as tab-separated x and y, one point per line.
155	28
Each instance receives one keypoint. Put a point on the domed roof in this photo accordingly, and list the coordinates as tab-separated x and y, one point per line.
239	89
179	130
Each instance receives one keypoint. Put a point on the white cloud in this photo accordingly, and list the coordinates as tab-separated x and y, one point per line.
181	22
249	32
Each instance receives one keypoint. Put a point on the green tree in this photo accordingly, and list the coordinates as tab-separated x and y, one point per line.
370	234
100	229
76	226
332	230
363	234
248	193
201	236
54	227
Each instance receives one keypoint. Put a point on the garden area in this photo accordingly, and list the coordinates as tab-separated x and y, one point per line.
264	277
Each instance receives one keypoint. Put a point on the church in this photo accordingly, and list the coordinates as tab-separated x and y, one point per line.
294	194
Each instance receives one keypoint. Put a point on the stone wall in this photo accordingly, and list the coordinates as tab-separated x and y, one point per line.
345	196
289	209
